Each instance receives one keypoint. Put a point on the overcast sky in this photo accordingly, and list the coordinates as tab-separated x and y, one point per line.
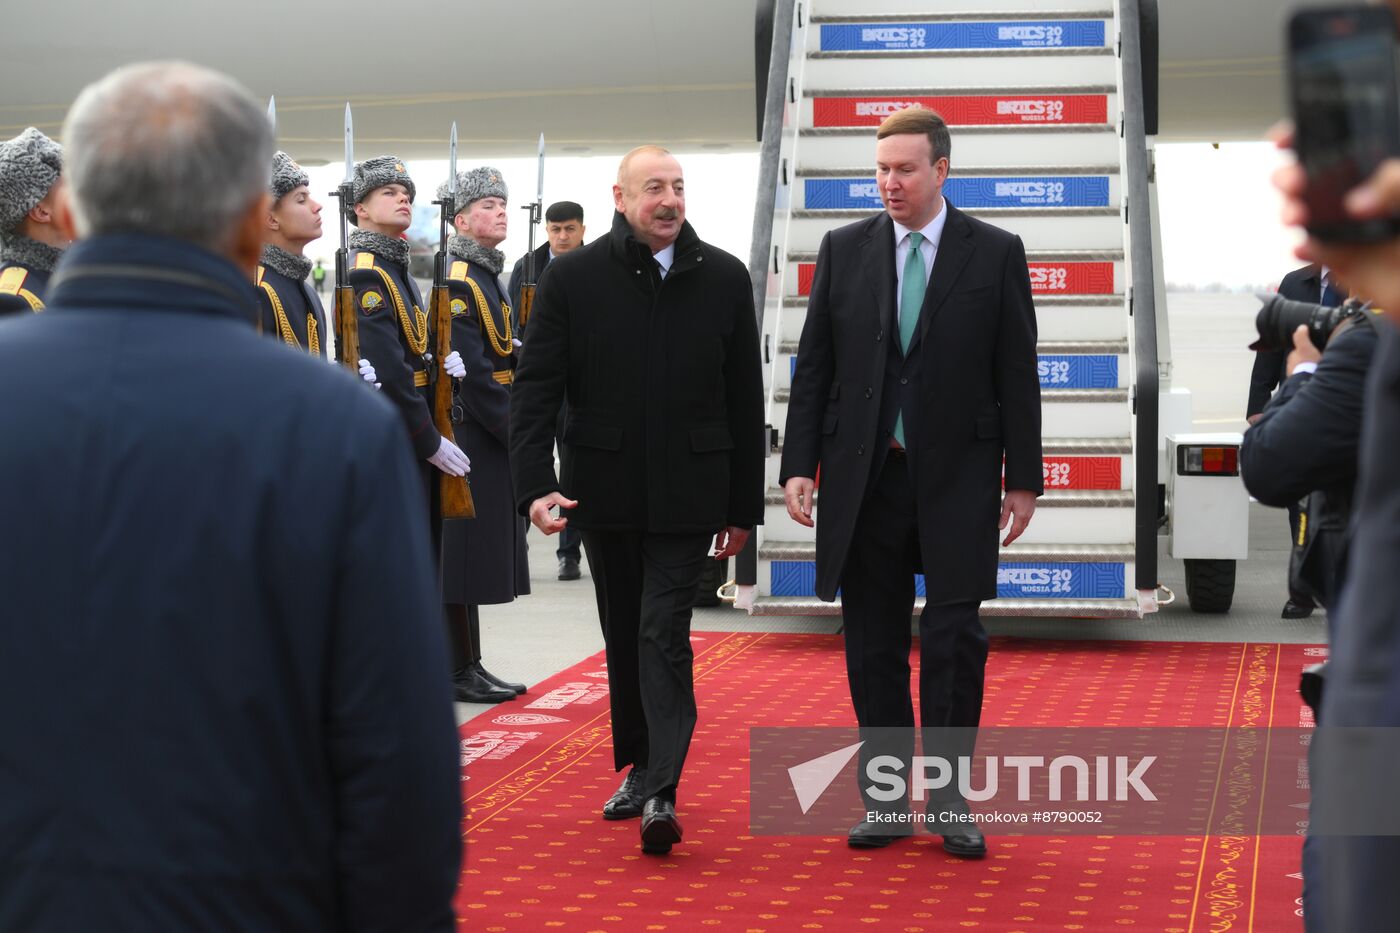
1219	213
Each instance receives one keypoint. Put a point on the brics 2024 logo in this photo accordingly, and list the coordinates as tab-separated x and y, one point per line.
1036	579
1032	35
1053	372
883	108
1043	111
1049	278
1056	473
909	37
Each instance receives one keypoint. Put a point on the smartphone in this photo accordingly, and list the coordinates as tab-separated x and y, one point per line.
1346	111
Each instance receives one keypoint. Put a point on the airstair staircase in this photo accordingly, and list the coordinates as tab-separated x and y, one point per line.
1033	92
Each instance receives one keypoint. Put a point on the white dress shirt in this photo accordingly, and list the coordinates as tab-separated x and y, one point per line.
665	258
933	233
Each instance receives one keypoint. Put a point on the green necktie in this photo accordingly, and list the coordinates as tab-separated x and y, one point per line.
911	299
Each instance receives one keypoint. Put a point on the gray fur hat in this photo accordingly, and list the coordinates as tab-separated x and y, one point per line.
376	173
287	176
29	165
481	182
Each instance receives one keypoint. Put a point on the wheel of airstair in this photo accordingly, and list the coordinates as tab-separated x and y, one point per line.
1031	93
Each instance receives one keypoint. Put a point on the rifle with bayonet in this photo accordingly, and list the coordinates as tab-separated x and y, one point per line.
455	494
347	327
527	287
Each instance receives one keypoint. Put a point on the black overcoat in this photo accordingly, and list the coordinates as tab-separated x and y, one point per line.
664	431
968	386
483	558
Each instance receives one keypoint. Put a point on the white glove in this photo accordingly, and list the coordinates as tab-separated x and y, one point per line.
450	459
516	341
368	374
454	365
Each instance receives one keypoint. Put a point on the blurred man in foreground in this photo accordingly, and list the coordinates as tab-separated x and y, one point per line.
224	670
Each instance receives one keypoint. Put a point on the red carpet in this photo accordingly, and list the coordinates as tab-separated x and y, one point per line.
540	858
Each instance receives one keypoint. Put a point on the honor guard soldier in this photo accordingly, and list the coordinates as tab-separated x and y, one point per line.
291	311
483	560
393	323
30	242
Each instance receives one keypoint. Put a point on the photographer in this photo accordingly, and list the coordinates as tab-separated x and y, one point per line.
1306	442
1350	880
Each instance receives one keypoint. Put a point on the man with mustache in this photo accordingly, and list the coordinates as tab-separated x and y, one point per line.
649	334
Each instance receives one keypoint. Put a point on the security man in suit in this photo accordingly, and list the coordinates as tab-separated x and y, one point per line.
30	242
1313	284
563	225
394	332
483	559
916	375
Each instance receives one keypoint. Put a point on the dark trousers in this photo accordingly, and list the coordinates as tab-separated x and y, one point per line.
569	541
877	599
645	585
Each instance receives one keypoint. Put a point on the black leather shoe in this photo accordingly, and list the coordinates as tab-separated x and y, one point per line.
660	828
568	568
626	801
870	834
962	839
495	681
1298	608
468	686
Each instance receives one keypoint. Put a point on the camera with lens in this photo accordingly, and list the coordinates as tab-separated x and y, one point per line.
1280	317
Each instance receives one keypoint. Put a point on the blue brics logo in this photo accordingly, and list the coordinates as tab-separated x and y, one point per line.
1078	372
1045	34
968	192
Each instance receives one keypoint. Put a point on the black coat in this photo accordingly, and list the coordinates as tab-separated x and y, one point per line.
483	558
395	332
300	310
1357	889
1271	366
517	273
223	661
664	431
968	386
21	288
1307	442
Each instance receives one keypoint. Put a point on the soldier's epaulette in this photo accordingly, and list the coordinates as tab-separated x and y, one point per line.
12	283
258	278
458	271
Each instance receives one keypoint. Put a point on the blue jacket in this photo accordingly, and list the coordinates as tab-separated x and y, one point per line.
223	660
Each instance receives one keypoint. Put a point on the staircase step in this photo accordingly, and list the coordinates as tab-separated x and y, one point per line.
1039	228
1017	553
1060	146
859	191
1066	608
1047	396
1053	499
1044	348
1040	301
875	15
850	72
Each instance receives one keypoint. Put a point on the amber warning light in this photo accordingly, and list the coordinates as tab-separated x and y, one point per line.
1208	461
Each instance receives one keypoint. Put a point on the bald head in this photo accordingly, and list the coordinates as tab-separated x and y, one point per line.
650	193
168	149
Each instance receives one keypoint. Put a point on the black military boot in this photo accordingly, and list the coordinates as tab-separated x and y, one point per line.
493	680
468	686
